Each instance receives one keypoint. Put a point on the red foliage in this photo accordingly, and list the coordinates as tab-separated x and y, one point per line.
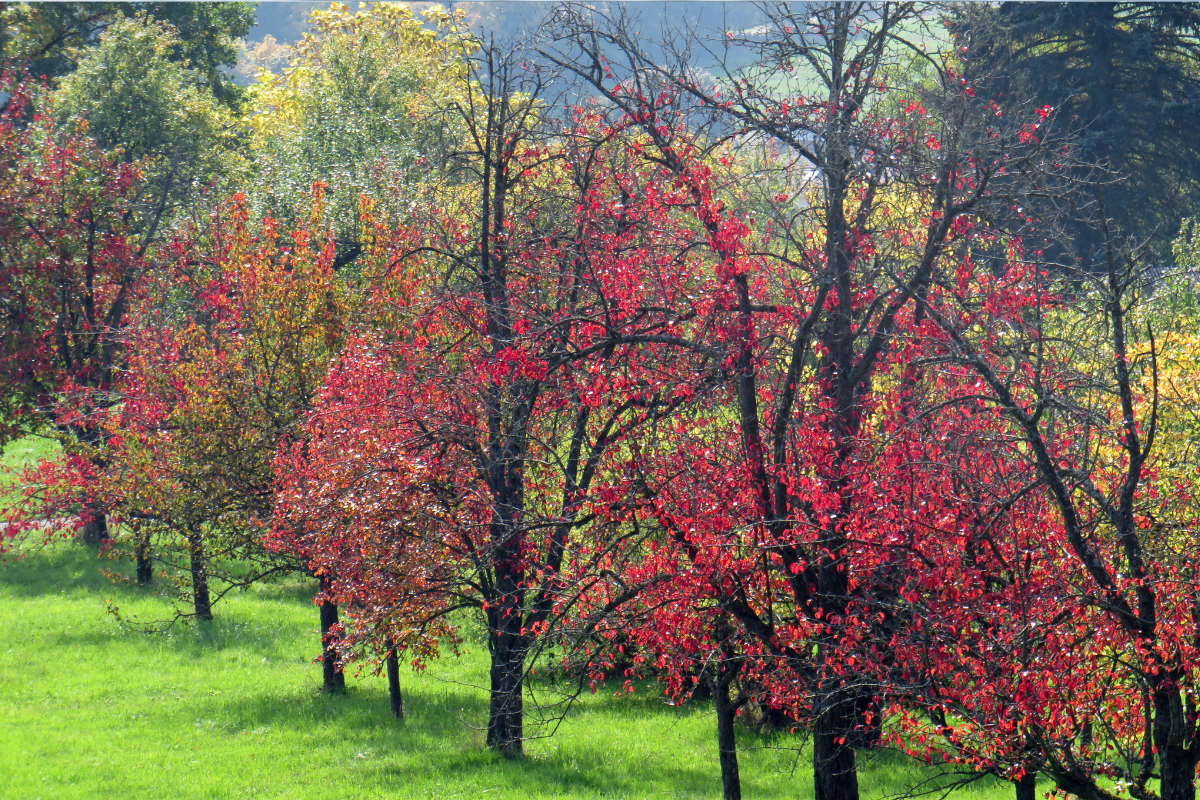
474	456
69	273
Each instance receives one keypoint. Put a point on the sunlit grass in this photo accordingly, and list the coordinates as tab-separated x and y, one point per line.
18	455
232	709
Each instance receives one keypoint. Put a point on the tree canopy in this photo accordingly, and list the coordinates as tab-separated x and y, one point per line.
832	364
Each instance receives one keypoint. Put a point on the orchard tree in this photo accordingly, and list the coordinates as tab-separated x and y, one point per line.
95	183
1051	680
227	354
71	269
994	660
889	187
471	455
1081	391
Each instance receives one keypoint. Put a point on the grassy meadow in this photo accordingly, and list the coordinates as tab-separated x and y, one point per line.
20	454
232	708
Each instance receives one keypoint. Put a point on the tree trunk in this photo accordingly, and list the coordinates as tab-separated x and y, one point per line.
1178	776
1176	759
1027	786
200	598
868	724
835	773
334	680
95	529
506	709
731	783
508	639
393	675
835	705
141	551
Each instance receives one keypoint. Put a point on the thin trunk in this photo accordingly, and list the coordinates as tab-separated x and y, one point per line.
1027	786
200	598
334	680
731	783
393	675
95	529
145	566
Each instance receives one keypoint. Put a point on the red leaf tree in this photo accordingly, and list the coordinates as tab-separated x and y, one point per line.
1109	691
472	455
783	505
70	270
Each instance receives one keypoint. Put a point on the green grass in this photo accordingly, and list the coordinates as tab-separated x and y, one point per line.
21	454
232	709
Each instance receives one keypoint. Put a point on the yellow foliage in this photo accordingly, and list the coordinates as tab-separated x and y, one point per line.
428	49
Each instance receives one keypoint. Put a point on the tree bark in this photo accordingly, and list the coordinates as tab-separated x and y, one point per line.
835	773
720	679
333	679
1027	786
145	566
95	529
393	675
201	602
506	710
1176	755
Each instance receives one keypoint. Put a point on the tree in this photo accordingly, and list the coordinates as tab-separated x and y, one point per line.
881	208
997	668
1128	75
470	455
227	353
51	39
142	107
1075	398
85	221
71	269
357	107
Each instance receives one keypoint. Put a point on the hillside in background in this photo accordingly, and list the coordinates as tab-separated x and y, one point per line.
280	24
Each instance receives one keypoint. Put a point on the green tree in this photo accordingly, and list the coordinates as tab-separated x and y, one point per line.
360	108
144	108
52	38
1127	76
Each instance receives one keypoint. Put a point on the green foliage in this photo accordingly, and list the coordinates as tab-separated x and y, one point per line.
1127	76
145	108
1176	299
357	108
208	36
52	38
233	708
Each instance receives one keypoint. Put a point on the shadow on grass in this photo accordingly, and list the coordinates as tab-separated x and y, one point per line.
54	569
363	710
63	566
195	641
441	739
77	571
